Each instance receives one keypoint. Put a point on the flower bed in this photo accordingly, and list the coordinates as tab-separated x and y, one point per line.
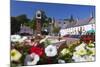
31	51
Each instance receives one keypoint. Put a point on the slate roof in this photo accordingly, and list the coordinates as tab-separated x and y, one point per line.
83	22
76	23
26	29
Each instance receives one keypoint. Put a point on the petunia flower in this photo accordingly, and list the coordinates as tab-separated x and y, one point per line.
92	50
39	51
81	51
15	38
81	46
15	55
90	58
31	59
91	45
77	58
85	58
51	51
22	39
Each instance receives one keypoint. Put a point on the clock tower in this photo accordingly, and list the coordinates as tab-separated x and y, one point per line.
38	22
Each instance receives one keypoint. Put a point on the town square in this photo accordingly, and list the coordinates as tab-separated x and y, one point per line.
50	33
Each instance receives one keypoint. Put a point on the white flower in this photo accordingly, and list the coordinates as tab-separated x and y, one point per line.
15	38
22	39
79	59
81	46
76	54
82	59
76	58
91	45
81	52
90	58
31	59
15	55
61	61
92	50
51	51
85	58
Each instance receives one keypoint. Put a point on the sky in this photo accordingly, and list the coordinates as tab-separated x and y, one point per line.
58	11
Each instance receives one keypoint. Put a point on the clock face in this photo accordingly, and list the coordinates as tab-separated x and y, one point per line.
38	15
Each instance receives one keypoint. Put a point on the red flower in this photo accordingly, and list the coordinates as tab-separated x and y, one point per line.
37	50
87	38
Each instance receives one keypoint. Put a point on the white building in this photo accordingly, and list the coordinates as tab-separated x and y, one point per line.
78	28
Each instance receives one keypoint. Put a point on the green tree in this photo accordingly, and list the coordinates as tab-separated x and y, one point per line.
15	25
23	19
33	24
56	30
17	21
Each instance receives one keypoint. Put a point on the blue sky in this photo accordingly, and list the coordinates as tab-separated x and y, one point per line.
58	11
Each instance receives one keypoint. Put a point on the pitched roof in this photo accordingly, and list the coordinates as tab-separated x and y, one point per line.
25	29
82	22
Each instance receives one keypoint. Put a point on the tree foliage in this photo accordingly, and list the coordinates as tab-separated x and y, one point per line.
15	25
56	30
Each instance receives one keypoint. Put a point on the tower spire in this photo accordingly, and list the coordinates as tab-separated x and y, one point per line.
91	15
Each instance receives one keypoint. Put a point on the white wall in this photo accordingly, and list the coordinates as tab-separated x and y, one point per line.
70	30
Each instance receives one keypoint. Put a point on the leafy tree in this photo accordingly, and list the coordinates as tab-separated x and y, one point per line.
56	30
15	25
17	21
22	19
33	24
